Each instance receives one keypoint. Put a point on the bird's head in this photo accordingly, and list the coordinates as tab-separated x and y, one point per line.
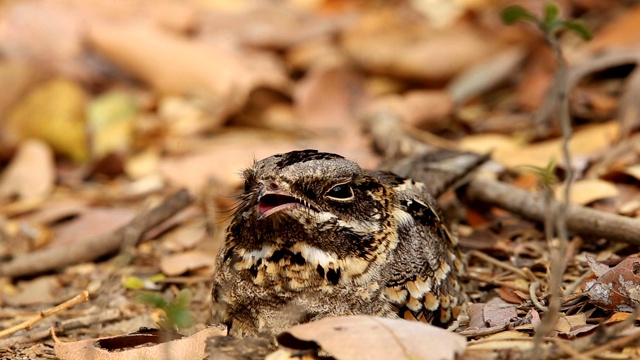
320	199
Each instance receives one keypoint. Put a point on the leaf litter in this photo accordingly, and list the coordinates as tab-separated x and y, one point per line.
111	107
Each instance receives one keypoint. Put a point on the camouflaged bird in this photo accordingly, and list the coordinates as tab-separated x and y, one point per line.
315	235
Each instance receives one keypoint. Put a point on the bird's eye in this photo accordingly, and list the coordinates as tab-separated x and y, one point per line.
340	192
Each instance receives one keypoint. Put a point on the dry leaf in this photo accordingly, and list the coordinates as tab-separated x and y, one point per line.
31	173
178	264
184	237
142	164
621	32
173	64
326	100
598	269
53	112
15	77
619	288
366	337
585	141
567	323
486	74
583	192
510	341
110	119
633	170
91	223
223	160
397	43
494	313
39	291
143	345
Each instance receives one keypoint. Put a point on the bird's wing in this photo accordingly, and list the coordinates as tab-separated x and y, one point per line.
423	275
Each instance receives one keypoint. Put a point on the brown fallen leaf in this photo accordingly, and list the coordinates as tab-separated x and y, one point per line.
507	150
16	77
31	173
494	313
177	264
184	237
567	323
140	345
620	32
482	76
41	290
92	222
398	43
617	289
367	337
222	75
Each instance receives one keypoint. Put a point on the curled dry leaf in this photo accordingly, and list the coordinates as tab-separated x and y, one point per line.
367	337
140	345
31	174
617	289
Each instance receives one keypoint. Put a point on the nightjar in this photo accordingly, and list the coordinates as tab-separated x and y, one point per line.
315	235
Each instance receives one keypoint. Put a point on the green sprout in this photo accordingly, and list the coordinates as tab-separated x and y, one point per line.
176	311
549	23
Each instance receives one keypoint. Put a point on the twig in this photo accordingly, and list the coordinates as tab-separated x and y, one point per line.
574	285
569	350
614	343
558	246
50	259
484	331
534	298
80	298
581	220
496	262
76	323
509	285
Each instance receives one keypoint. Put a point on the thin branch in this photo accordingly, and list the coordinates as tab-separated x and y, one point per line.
55	258
581	220
80	298
498	263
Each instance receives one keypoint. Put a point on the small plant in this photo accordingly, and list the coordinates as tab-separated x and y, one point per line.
546	175
547	24
556	99
176	311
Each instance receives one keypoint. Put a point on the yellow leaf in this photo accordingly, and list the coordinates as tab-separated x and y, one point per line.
53	112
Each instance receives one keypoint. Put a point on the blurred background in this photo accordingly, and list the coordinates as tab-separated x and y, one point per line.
109	105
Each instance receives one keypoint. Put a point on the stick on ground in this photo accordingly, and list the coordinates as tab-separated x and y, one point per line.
82	297
50	259
581	220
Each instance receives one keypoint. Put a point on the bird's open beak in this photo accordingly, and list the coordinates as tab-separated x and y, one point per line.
271	202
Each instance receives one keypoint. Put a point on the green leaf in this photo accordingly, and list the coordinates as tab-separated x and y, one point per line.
153	299
514	13
550	13
579	28
178	313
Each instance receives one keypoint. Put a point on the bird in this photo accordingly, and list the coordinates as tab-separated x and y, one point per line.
314	235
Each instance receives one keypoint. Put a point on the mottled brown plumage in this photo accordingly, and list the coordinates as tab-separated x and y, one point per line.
316	236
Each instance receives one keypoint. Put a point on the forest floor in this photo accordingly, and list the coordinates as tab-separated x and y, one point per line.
109	109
